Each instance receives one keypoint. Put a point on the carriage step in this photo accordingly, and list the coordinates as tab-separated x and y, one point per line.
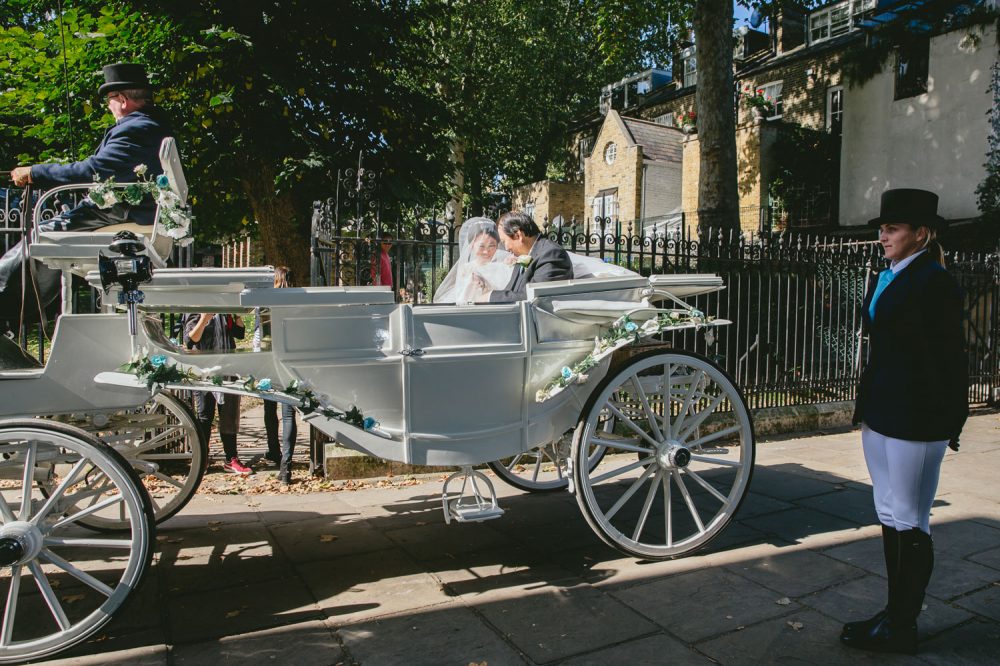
475	502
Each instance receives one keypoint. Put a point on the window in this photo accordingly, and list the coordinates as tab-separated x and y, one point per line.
605	204
610	152
666	119
584	147
838	19
912	61
690	71
835	110
529	209
772	91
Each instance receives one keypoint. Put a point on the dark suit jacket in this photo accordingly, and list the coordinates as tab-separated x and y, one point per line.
549	262
134	139
915	385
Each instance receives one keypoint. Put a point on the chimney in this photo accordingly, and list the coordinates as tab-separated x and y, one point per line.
788	28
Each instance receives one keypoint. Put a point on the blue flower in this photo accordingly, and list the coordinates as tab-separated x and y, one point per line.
264	384
631	326
369	423
158	360
162	181
566	372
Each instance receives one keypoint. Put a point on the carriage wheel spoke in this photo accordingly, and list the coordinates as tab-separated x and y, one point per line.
42	581
701	441
73	571
627	495
87	542
686	405
11	608
538	466
5	512
621	470
668	517
715	461
627	421
690	503
650	417
28	479
89	510
616	444
168	479
665	397
644	514
701	416
59	492
707	486
514	461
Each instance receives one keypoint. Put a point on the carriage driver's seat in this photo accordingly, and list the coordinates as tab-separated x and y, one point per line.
77	251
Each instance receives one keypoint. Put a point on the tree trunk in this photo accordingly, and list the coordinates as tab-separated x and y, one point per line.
718	197
457	202
280	218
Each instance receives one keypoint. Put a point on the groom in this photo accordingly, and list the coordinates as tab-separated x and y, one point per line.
538	259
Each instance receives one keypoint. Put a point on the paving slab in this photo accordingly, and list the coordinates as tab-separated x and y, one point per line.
701	604
442	637
656	649
794	572
327	538
802	525
304	644
985	602
151	655
973	644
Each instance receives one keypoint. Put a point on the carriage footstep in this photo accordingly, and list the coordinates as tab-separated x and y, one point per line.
476	500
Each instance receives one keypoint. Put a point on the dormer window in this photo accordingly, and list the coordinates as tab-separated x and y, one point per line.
837	19
690	66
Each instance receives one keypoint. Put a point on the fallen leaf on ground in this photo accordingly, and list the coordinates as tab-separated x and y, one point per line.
327	538
233	613
73	598
783	601
795	625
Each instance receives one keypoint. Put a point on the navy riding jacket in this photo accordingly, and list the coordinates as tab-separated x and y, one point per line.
915	385
135	139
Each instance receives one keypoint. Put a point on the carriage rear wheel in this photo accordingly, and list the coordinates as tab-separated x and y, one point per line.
678	461
60	583
542	469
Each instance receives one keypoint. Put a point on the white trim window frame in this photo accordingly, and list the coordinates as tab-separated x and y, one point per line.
666	119
834	107
772	90
837	19
690	70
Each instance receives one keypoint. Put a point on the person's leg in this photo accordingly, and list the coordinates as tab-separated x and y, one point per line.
289	432
204	411
271	428
229	425
874	444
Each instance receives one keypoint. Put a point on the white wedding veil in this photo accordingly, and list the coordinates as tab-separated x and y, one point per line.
458	286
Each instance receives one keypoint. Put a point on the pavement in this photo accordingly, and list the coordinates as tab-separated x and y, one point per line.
374	576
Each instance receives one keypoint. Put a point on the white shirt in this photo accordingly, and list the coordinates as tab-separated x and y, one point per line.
897	266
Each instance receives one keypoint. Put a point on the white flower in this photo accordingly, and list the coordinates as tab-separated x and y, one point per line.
523	260
208	373
140	169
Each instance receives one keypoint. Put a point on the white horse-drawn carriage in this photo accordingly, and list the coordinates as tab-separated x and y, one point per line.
563	389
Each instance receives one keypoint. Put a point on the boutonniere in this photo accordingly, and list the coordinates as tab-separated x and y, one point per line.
523	260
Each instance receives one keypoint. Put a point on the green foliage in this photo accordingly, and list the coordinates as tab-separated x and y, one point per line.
806	161
988	192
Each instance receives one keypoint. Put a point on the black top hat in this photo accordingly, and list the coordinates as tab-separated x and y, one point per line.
917	208
123	76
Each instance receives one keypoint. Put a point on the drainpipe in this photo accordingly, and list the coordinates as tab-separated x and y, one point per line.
642	206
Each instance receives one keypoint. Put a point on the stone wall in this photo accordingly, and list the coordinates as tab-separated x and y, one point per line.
550	198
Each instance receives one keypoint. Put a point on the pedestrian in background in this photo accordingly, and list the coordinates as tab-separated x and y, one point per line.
381	268
912	404
289	431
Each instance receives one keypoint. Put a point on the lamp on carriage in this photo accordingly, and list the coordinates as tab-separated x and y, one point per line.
128	269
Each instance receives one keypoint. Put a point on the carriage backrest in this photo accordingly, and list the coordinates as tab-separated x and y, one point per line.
170	160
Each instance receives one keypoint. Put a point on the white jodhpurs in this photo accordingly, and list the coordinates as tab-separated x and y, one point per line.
904	477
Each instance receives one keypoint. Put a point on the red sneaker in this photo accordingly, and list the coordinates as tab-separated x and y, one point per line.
234	466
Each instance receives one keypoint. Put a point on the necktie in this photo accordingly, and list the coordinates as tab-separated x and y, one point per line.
884	278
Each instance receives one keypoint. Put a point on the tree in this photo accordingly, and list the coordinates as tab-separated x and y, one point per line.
266	103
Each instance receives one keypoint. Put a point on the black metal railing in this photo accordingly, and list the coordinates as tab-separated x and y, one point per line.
794	300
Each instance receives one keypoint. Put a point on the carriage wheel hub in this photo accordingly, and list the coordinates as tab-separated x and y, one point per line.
672	455
20	542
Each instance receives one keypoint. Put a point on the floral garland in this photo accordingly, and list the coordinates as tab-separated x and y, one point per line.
156	371
174	218
623	332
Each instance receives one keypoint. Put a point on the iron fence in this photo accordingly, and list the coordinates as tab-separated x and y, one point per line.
794	300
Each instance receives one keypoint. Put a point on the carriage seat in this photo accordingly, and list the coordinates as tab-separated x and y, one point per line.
77	251
198	289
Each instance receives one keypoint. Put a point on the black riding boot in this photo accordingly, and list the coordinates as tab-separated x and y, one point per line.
898	631
890	547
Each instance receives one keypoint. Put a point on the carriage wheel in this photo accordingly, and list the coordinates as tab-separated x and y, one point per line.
679	459
163	443
60	584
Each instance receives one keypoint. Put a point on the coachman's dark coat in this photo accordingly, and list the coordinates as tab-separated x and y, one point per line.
915	385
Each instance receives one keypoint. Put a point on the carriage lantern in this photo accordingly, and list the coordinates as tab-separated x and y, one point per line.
128	269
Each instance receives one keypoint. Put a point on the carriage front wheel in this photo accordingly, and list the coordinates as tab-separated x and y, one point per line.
59	583
678	461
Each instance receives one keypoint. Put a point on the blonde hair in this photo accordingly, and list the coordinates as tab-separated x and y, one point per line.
282	277
933	245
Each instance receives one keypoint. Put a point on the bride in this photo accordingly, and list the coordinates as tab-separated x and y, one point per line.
483	266
480	261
